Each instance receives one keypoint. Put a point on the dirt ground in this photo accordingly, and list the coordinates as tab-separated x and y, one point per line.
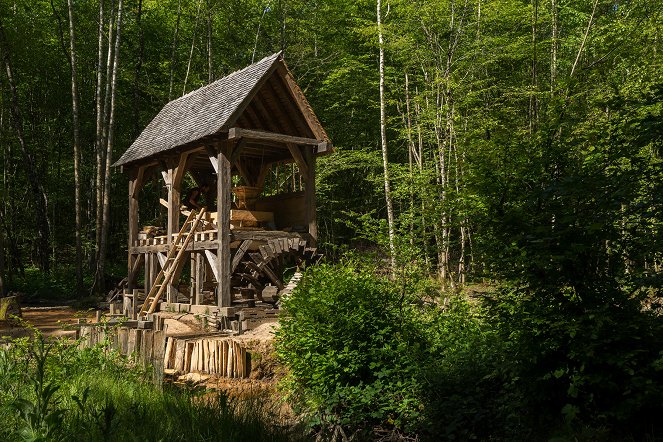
51	321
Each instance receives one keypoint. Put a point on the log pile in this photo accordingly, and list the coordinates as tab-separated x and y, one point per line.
212	355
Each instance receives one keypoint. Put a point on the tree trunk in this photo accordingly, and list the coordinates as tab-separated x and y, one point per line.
98	146
138	69
102	138
533	103
101	267
2	259
383	139
193	45
173	50
38	193
76	131
210	70
553	45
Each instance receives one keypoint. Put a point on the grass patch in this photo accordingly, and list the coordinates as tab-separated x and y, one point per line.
53	391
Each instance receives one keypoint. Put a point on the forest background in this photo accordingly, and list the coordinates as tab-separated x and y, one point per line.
521	140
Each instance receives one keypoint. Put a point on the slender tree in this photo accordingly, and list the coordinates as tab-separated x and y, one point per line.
383	143
77	149
36	187
101	267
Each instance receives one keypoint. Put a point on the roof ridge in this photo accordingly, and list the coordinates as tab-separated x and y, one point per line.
226	77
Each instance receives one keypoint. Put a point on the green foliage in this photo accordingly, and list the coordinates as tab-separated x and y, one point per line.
52	390
598	366
364	351
350	348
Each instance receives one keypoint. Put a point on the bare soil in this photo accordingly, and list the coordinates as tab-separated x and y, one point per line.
51	321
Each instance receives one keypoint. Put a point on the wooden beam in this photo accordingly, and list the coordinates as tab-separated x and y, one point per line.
280	89
239	254
252	93
211	258
284	109
303	104
135	183
137	265
299	159
261	235
309	196
161	257
237	150
258	135
223	204
212	153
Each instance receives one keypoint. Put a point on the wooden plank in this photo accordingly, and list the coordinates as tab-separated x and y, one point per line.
239	254
211	259
261	235
259	135
224	184
169	350
224	358
180	349
251	215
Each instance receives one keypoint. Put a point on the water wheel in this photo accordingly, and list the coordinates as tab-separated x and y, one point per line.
266	267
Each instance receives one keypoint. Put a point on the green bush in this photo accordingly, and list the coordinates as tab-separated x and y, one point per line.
577	364
351	348
366	352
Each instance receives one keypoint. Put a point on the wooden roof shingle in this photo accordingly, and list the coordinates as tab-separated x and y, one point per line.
200	113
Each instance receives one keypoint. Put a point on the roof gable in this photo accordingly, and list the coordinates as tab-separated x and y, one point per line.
209	110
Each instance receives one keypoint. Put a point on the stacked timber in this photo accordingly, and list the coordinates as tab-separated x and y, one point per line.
212	355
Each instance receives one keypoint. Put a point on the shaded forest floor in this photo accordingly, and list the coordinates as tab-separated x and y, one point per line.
51	321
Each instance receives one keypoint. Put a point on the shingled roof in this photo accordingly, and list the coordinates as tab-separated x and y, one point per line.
206	111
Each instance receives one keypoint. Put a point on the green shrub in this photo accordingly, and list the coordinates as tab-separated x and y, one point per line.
577	364
351	348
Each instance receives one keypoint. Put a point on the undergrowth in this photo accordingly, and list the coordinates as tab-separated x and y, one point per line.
369	355
54	391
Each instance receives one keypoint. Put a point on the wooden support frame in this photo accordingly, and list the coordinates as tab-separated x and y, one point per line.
135	185
235	133
309	196
175	173
223	204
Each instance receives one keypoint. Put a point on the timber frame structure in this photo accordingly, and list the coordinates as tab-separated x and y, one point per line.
230	134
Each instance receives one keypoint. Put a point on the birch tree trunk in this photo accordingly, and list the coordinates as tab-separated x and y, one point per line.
2	250
109	154
40	199
173	50
553	45
103	137
138	69
98	146
76	132
210	70
193	45
383	139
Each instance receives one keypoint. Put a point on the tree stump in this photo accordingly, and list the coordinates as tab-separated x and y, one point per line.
9	307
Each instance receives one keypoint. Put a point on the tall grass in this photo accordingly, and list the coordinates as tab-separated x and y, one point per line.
53	391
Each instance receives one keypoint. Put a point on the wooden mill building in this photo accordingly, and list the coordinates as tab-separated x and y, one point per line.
232	134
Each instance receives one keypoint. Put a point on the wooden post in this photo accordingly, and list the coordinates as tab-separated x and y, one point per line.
200	278
223	203
309	195
175	174
135	183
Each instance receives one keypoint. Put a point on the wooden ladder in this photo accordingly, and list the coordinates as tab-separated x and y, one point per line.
175	255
